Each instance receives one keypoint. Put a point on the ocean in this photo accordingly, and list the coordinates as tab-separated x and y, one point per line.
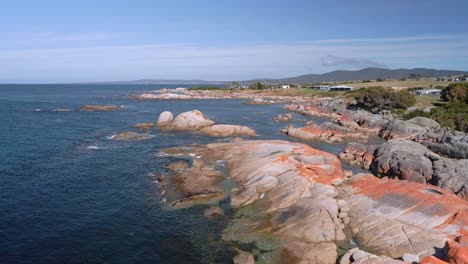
71	194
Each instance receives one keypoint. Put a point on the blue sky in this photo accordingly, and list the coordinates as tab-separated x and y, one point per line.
71	41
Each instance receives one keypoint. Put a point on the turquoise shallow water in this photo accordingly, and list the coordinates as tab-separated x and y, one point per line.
71	195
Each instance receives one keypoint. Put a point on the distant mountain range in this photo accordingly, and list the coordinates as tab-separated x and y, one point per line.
340	75
364	74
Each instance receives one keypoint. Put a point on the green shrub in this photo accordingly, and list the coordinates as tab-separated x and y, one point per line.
380	98
456	93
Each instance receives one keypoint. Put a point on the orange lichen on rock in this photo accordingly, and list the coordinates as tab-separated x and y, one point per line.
436	215
431	260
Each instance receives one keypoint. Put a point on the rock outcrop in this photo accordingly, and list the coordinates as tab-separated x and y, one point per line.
393	218
447	142
228	131
196	121
294	204
409	160
326	132
191	120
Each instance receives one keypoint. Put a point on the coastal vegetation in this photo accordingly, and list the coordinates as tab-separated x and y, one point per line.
379	98
454	113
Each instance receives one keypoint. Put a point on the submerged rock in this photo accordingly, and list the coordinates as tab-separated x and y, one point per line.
213	212
282	118
90	108
131	136
144	126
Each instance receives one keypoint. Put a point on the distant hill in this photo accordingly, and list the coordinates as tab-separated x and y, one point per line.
364	74
340	75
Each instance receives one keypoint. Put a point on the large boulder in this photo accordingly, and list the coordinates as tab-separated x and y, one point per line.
191	120
408	129
404	159
228	131
164	119
452	175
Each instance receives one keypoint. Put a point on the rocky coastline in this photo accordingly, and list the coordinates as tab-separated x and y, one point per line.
292	203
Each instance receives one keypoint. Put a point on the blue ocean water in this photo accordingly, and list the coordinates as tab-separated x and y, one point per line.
69	194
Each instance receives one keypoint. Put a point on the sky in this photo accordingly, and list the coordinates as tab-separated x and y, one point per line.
86	41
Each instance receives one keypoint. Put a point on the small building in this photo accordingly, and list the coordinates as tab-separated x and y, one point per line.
427	92
449	79
321	87
341	88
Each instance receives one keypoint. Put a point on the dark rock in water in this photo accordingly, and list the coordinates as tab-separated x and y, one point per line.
90	108
282	118
144	126
131	136
213	212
